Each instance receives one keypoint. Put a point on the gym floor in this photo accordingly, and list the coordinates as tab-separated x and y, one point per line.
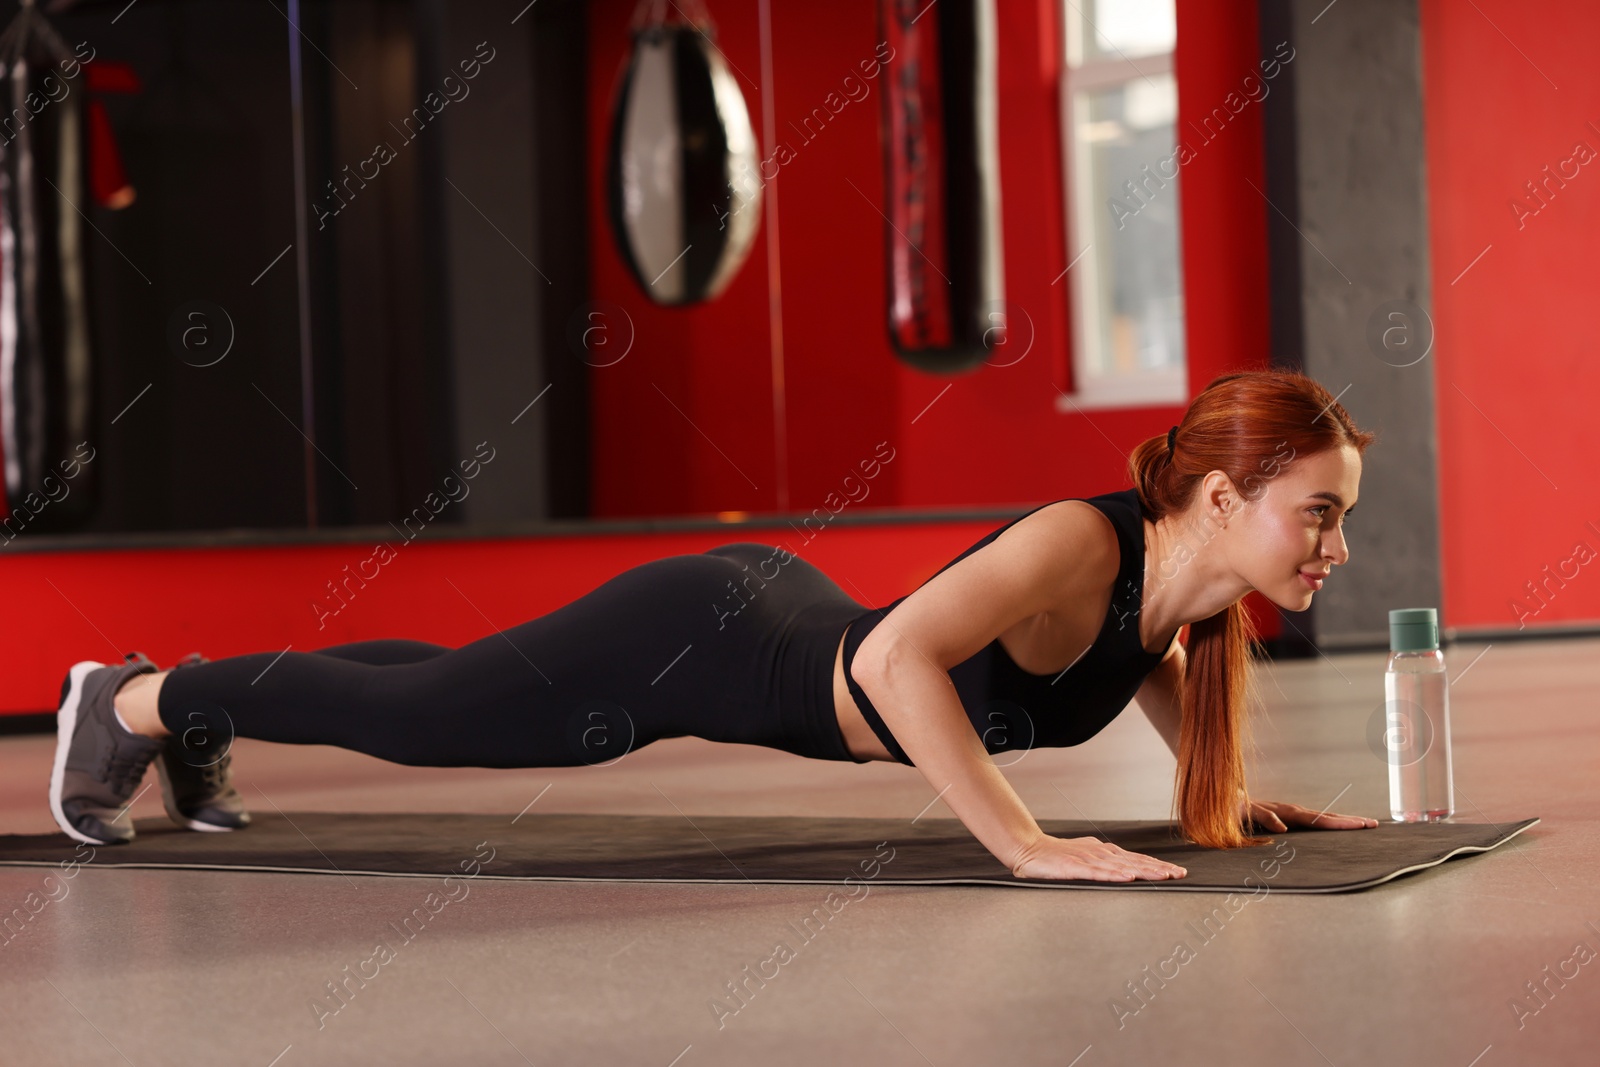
147	967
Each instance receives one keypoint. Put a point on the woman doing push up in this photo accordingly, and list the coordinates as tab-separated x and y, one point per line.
1036	636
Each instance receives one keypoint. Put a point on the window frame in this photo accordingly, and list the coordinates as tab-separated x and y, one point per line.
1147	388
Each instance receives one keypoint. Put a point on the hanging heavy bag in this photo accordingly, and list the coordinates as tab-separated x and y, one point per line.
946	287
683	194
46	365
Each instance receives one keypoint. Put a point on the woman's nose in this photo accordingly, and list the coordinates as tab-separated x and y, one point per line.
1334	546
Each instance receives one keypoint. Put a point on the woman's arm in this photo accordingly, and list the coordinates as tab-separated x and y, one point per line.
1067	561
918	702
1159	697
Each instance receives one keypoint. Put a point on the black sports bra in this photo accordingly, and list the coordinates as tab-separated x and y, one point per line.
1013	709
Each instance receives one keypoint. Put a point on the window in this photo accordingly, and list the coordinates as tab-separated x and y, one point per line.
1119	107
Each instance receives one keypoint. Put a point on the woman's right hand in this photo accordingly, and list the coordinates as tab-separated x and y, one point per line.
1090	858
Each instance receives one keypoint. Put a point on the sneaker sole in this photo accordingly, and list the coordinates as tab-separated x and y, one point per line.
66	724
177	816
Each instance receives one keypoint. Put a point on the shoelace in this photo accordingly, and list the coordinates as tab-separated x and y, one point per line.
123	770
209	780
215	775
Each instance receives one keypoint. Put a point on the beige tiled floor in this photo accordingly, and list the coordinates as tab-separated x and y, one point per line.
151	967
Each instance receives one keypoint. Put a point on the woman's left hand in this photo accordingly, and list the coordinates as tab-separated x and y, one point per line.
1276	816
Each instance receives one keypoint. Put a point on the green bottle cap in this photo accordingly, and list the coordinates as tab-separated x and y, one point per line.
1413	629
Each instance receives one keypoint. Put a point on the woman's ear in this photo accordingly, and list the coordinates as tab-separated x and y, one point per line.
1219	497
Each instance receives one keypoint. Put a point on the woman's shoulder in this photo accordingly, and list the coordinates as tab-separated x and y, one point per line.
1053	562
1075	535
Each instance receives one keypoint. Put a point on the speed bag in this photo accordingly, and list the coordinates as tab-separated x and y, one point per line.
946	288
46	365
684	198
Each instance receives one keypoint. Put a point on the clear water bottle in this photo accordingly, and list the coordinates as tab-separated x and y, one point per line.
1417	719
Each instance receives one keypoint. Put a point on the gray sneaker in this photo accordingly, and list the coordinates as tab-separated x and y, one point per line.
98	763
196	783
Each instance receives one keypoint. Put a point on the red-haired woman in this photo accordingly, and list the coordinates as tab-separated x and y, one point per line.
1036	636
1248	491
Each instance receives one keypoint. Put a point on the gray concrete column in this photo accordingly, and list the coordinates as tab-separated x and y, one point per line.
1346	202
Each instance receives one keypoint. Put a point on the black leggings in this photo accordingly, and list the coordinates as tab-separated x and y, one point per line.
734	644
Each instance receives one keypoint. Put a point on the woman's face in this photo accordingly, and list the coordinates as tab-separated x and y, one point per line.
1293	528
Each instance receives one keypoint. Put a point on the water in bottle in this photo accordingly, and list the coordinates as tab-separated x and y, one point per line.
1417	719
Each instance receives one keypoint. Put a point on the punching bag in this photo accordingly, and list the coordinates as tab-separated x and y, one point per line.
683	194
946	288
46	370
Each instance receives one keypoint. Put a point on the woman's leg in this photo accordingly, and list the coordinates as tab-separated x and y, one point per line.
650	653
384	651
137	703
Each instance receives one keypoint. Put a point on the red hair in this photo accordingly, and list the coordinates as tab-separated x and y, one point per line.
1243	424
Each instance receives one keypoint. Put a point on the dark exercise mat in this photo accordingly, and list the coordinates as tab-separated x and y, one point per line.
740	849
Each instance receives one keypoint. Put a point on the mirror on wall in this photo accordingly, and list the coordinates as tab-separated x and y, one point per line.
356	265
325	259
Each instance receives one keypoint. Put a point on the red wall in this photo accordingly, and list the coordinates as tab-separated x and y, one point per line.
994	437
1514	362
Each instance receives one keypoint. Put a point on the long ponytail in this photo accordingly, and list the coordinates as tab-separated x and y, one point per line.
1239	424
1217	688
